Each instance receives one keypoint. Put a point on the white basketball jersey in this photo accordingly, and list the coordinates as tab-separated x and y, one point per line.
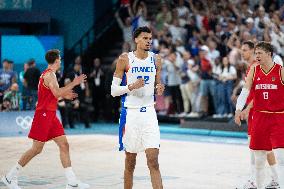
145	69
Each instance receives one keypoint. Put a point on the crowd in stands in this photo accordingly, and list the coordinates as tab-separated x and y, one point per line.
200	43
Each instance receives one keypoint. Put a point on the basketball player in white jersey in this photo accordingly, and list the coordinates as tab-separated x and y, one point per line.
136	79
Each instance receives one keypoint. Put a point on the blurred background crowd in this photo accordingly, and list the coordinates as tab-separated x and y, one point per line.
199	42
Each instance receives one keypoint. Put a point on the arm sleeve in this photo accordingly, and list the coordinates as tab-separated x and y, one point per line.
116	89
242	99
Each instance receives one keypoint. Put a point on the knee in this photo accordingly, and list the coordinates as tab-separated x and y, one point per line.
153	163
64	146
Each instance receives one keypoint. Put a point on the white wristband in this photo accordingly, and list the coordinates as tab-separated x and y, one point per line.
116	89
242	99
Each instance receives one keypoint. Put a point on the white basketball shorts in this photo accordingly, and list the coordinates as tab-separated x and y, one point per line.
141	130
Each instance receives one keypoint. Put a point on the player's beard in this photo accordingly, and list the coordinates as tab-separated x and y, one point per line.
147	49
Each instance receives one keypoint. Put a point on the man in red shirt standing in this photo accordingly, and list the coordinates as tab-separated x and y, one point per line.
247	50
267	133
46	126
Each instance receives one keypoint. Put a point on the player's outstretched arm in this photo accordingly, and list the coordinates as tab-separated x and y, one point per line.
243	96
51	82
116	89
159	86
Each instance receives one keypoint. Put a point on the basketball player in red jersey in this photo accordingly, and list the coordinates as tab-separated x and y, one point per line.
247	50
46	126
267	133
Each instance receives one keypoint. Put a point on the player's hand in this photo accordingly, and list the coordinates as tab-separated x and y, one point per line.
70	95
160	89
238	117
80	79
245	113
137	85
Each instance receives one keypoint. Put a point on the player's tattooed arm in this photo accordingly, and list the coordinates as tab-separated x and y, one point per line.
159	86
121	66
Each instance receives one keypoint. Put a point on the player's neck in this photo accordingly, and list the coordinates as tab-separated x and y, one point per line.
51	67
141	54
251	60
268	66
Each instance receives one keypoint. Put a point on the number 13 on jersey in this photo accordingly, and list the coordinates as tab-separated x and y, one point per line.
265	95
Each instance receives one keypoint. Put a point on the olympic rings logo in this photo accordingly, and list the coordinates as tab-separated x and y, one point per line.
24	122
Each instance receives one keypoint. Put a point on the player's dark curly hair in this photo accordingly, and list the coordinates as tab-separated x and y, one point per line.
139	30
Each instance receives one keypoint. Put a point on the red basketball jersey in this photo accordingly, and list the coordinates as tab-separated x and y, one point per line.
46	99
268	90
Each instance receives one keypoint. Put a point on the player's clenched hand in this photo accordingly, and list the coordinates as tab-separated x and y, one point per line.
70	95
245	113
160	88
238	117
138	84
80	79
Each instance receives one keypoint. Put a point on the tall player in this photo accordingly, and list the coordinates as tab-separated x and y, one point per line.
136	77
46	125
267	133
247	50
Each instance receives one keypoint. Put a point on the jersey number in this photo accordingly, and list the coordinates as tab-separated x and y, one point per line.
265	95
146	78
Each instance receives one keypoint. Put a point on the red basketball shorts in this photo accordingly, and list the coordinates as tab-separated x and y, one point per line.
250	121
267	132
45	126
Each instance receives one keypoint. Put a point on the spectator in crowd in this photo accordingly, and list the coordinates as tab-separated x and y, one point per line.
227	76
213	52
31	79
139	14
7	78
97	78
185	84
12	99
164	16
207	84
23	89
174	81
126	28
192	72
234	44
79	106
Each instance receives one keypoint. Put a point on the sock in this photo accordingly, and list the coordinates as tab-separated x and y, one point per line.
70	175
14	172
279	154
281	176
274	174
260	159
252	177
252	166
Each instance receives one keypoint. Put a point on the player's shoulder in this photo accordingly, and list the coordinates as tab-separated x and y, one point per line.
123	57
122	60
157	57
48	74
